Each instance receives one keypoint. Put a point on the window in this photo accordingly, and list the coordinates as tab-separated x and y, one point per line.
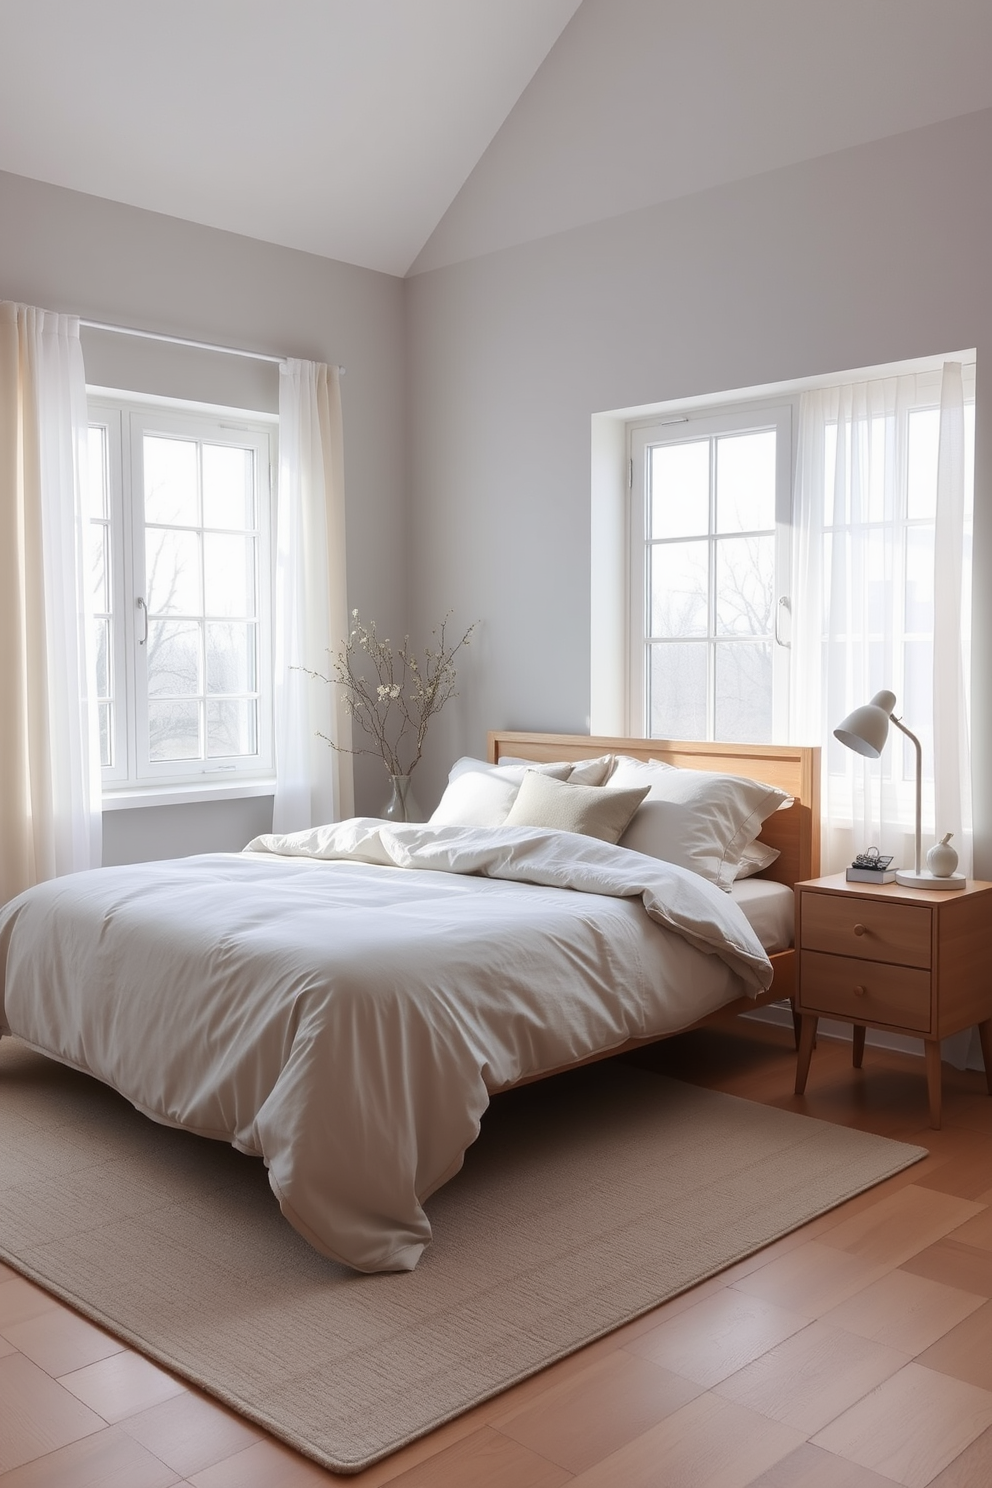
709	575
181	577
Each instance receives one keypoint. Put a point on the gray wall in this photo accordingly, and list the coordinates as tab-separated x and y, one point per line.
67	251
871	255
496	366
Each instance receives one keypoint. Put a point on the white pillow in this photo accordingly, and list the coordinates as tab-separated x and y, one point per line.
480	795
700	820
628	771
755	858
476	798
581	772
511	768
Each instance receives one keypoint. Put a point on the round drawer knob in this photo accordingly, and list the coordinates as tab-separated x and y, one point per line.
859	991
859	930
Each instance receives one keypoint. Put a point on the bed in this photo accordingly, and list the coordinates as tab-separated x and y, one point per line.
794	833
344	1003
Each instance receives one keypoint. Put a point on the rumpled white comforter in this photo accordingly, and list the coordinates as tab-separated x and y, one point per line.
342	1002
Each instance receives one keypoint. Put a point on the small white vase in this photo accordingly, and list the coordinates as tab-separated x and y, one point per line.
401	806
942	859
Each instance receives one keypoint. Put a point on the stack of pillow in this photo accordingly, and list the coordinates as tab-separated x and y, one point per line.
703	821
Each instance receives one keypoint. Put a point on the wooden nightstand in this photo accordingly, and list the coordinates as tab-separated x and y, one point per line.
915	961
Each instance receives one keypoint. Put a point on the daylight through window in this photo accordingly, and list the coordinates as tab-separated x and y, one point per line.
180	564
708	571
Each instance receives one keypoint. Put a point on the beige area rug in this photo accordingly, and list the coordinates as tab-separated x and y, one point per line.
586	1201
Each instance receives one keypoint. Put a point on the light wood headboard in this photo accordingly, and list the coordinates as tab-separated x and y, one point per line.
794	768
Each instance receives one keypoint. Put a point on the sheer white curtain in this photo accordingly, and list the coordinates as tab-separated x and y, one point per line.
50	821
881	598
314	783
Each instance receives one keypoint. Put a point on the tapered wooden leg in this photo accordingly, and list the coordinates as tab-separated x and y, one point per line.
797	1024
858	1039
985	1034
933	1080
807	1035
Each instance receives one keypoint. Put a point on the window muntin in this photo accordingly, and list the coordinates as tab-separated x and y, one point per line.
193	624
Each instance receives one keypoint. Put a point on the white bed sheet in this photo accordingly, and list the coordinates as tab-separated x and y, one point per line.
770	909
343	1003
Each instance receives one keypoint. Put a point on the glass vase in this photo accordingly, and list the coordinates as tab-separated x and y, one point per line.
401	806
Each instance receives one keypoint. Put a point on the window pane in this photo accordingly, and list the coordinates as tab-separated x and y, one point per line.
743	692
230	658
173	658
745	585
106	733
228	487
881	430
871	572
680	489
231	728
99	567
924	436
174	731
102	634
172	572
678	691
919	580
97	472
170	481
679	585
830	515
229	574
745	482
916	706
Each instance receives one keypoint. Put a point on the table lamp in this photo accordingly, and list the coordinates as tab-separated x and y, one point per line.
865	731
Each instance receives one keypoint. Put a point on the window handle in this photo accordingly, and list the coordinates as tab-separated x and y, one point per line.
140	605
783	604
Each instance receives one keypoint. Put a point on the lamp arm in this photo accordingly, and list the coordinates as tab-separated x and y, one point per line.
919	782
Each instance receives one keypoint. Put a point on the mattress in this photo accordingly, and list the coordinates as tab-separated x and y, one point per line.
770	910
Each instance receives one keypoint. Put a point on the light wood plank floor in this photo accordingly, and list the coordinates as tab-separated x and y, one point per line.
854	1353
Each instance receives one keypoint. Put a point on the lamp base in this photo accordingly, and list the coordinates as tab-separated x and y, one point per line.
911	880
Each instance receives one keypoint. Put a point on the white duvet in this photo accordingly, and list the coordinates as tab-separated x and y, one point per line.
342	1002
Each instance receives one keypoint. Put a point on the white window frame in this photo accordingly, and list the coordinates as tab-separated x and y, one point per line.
643	435
133	774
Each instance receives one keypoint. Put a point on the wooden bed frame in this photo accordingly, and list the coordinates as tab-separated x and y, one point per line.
795	831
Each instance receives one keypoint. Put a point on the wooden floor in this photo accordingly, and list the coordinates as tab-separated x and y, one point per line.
855	1353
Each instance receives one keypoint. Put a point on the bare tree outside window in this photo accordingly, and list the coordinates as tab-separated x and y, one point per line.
710	585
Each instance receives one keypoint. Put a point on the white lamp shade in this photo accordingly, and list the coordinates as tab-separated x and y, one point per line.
867	728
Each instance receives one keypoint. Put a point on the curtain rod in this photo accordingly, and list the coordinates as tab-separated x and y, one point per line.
120	330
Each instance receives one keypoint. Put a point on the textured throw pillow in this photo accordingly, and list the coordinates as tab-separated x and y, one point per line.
700	820
755	858
479	794
580	772
586	809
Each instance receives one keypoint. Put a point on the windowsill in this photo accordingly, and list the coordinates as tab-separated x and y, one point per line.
188	794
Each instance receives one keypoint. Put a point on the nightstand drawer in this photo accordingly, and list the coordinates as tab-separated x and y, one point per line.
869	929
897	995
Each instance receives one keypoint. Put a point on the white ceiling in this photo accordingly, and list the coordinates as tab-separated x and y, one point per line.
364	129
342	127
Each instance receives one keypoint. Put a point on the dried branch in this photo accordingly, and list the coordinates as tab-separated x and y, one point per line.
393	694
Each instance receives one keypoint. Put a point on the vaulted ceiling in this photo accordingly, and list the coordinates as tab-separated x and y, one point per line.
414	133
